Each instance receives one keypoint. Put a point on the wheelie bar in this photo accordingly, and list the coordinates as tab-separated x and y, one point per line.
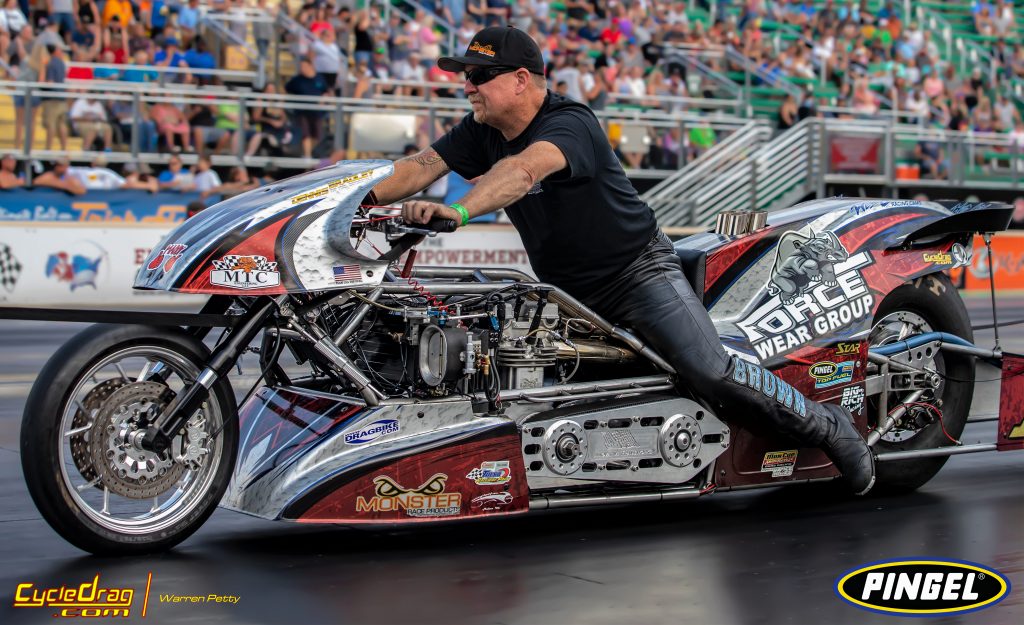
158	435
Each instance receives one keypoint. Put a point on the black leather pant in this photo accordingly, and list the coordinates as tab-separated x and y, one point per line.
652	297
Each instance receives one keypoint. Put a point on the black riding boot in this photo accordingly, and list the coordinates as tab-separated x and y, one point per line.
830	428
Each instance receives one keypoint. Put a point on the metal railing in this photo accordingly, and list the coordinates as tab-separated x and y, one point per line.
212	22
682	199
748	170
448	45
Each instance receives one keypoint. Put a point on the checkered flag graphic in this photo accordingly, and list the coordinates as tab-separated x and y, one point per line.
10	268
227	263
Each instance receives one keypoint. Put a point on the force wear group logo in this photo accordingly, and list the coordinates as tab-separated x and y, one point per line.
827	373
245	272
372	432
89	599
492	473
922	587
167	257
429	499
487	50
817	288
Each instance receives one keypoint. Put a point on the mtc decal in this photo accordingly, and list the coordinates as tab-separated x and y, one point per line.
922	587
245	272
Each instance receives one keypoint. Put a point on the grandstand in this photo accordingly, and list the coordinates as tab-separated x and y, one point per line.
710	104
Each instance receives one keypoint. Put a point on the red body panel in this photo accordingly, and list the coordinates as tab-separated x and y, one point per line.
1011	404
437	485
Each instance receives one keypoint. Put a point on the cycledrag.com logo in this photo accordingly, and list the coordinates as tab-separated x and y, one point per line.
922	587
90	599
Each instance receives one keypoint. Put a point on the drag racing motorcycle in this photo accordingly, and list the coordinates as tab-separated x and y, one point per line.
391	393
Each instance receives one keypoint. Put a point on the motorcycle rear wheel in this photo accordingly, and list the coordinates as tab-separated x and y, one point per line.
929	304
94	488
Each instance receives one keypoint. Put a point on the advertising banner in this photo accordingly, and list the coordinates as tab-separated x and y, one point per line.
1007	264
124	206
852	154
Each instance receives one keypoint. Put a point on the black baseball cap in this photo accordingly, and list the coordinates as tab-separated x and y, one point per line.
498	46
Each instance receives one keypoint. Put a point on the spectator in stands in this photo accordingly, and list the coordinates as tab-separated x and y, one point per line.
139	176
85	44
55	107
129	118
107	73
239	181
262	30
60	178
931	159
410	69
1007	116
118	11
272	128
204	176
89	121
141	70
12	18
175	177
188	22
9	176
199	58
115	40
97	177
158	17
170	55
202	119
139	39
788	113
310	123
50	35
328	58
31	68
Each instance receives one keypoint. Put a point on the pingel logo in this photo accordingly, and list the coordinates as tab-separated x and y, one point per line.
923	587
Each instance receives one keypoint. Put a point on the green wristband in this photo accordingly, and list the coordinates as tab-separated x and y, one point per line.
462	211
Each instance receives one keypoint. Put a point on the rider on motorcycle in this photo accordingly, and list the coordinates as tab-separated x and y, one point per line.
545	160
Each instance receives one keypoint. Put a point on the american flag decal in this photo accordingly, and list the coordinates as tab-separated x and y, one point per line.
347	273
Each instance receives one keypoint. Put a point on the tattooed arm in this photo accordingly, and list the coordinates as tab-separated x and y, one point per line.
412	173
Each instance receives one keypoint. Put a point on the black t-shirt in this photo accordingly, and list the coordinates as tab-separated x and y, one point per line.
580	226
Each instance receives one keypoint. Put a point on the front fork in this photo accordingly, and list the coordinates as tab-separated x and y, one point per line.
158	435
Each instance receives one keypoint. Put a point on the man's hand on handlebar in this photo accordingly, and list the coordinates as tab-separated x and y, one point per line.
420	212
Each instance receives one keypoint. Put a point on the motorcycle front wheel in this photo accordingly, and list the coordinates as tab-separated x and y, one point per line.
84	470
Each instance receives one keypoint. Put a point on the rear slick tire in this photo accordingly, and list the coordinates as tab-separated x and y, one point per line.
74	458
935	300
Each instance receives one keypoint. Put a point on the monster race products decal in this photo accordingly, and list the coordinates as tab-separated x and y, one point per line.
245	272
429	499
779	463
817	289
166	257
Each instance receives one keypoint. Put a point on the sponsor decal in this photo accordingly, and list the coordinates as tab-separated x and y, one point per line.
818	289
853	399
938	258
961	207
89	599
372	432
622	444
429	499
492	501
847	348
487	50
77	270
827	373
323	191
922	587
962	256
245	272
167	257
858	209
10	268
753	376
491	473
779	463
345	274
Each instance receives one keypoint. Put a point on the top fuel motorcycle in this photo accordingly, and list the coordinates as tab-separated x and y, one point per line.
394	394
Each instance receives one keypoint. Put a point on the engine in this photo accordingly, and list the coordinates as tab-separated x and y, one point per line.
471	344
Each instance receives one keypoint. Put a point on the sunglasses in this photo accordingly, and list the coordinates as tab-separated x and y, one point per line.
482	75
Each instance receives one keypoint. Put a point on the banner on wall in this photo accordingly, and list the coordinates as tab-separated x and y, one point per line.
1007	264
852	154
85	265
124	206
